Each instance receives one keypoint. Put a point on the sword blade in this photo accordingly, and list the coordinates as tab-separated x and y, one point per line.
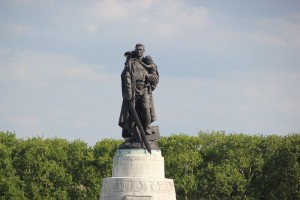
140	127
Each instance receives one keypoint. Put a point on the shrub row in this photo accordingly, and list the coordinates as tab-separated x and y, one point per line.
212	165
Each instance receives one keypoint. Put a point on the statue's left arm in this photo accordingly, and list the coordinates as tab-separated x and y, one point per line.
153	77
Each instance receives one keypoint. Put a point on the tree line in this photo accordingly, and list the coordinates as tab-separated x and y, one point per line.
213	165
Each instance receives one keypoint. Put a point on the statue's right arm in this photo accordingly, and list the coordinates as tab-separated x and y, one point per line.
147	66
128	86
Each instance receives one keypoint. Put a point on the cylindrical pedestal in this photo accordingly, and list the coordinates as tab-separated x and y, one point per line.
139	175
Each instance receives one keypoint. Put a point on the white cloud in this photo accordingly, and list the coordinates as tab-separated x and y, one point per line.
48	91
247	103
78	97
28	121
22	29
45	93
39	67
109	19
268	39
92	28
156	18
86	73
109	10
282	32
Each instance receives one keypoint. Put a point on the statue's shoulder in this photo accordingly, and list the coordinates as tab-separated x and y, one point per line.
129	64
133	60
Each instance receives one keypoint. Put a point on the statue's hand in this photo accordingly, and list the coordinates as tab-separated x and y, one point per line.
128	95
153	78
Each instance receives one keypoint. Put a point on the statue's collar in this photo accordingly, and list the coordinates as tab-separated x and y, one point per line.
137	59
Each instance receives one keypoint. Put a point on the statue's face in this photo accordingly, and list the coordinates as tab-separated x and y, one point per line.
139	50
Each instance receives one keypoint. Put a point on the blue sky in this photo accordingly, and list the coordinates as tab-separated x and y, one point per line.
224	65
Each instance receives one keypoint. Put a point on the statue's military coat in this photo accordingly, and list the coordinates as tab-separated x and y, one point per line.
126	120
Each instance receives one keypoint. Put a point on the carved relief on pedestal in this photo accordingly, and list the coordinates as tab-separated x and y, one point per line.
132	186
138	158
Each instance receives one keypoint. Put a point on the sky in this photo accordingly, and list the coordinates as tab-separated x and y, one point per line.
224	65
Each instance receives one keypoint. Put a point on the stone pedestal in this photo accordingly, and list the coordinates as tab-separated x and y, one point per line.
136	174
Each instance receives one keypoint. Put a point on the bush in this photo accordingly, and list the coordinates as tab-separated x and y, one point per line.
212	165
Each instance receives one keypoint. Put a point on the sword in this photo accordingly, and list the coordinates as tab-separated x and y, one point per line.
140	127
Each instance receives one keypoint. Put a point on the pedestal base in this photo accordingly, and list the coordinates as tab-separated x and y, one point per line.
136	174
137	188
138	163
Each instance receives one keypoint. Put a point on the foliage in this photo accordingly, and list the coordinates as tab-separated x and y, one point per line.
216	165
212	165
11	186
182	159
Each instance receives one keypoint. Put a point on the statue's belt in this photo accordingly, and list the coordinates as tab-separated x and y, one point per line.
140	84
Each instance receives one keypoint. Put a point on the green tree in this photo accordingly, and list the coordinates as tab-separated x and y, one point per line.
85	183
104	152
41	165
11	187
213	165
181	161
231	163
281	172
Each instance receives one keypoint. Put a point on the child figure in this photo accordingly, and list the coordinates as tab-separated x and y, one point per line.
148	63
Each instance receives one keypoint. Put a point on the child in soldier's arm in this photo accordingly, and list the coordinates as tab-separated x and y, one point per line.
148	63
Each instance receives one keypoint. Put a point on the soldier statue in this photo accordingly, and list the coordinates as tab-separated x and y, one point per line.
139	79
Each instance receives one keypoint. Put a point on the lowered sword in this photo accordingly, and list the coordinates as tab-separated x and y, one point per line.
140	127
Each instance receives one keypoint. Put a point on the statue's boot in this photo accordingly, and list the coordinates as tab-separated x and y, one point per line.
147	130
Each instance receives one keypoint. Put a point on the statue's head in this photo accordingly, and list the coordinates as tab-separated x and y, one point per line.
148	59
139	50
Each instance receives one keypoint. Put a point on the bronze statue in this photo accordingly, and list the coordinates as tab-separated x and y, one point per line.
139	79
